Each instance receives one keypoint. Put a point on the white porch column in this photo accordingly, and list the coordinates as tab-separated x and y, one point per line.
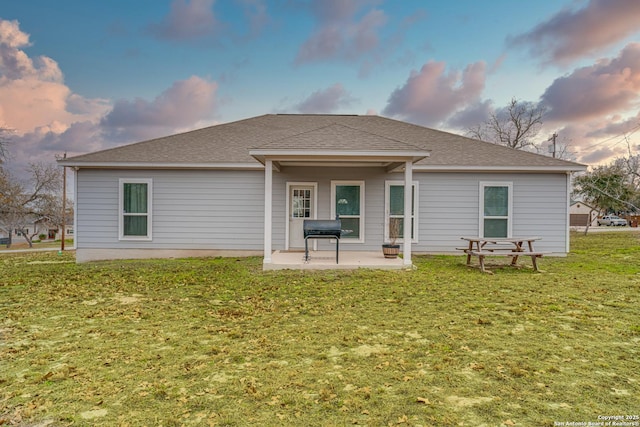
408	191
268	202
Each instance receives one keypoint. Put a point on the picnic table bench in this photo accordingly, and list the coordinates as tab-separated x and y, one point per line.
513	247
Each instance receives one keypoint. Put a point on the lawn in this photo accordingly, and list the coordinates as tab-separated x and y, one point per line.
219	342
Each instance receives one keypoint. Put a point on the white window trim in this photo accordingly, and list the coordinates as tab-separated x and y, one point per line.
362	209
387	210
149	213
509	217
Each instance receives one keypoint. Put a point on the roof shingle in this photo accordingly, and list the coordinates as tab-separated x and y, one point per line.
230	143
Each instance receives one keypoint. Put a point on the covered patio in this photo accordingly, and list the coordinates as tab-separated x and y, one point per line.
326	260
336	146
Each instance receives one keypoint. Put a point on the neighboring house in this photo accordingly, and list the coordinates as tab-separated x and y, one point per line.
582	214
43	226
211	191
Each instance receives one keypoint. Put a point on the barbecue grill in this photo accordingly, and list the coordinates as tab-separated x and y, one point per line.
321	229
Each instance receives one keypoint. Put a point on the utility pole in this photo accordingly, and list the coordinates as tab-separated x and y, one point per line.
64	202
553	137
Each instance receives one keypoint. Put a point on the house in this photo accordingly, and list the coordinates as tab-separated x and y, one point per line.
579	213
211	191
43	226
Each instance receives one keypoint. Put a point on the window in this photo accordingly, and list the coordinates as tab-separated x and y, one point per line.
495	209
135	209
394	211
301	203
347	201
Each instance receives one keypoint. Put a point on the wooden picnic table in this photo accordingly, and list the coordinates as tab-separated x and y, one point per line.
513	247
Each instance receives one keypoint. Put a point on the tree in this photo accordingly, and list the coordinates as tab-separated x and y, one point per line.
50	208
514	126
20	204
4	142
605	189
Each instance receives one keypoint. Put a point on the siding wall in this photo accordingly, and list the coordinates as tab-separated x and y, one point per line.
191	209
448	206
224	210
449	209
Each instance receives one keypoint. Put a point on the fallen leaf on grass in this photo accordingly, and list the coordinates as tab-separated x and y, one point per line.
423	400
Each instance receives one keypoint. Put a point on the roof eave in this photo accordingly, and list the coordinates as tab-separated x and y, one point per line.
495	168
159	165
262	155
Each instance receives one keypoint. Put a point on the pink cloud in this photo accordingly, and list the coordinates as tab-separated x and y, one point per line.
599	140
325	100
431	95
340	35
184	103
188	20
34	88
617	126
607	87
571	34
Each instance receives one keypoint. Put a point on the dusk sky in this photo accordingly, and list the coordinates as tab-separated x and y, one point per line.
78	76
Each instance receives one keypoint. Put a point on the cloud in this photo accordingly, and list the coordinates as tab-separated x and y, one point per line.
598	140
607	87
32	91
472	115
431	95
188	20
340	34
47	118
571	34
325	100
255	12
184	103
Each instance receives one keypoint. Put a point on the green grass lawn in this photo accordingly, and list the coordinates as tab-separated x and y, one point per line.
219	342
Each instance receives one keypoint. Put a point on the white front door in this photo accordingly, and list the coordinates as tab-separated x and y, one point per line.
301	207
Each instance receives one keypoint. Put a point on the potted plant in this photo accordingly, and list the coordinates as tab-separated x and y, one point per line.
391	249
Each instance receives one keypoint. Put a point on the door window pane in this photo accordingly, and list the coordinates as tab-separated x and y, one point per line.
301	203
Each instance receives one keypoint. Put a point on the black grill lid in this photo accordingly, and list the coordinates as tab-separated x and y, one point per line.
322	227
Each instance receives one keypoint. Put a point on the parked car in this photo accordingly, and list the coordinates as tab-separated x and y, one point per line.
612	220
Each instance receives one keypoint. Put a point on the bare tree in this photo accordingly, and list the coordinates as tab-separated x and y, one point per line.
514	126
50	208
21	204
4	143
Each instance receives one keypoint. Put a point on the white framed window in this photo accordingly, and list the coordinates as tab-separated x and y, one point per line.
496	206
135	197
394	211
347	201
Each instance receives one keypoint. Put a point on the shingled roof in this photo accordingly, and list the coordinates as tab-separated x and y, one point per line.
229	145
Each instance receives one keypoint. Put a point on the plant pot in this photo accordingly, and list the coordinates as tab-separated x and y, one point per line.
390	251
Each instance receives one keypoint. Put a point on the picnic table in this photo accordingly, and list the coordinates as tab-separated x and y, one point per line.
513	247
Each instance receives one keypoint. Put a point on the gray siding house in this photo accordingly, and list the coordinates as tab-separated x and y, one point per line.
244	188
